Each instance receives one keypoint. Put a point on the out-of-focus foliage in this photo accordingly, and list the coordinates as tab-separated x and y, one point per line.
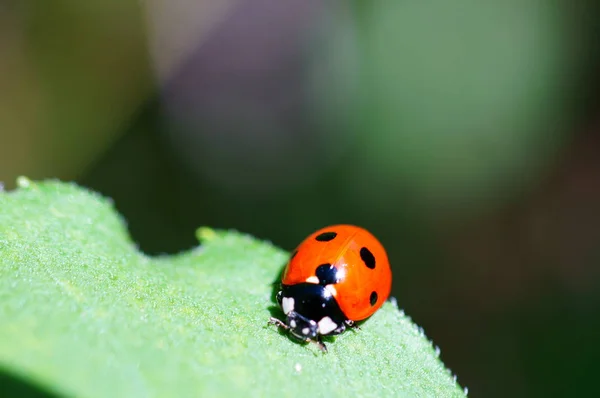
460	105
72	77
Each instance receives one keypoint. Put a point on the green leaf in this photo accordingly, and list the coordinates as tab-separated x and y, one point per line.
84	313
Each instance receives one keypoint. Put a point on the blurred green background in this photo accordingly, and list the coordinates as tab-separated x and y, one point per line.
464	135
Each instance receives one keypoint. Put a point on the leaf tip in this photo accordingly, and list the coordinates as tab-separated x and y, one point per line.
205	234
23	182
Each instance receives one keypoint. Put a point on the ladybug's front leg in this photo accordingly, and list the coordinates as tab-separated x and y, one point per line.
320	343
340	329
352	324
278	322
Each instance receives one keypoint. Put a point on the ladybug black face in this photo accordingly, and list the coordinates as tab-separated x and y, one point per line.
311	306
311	311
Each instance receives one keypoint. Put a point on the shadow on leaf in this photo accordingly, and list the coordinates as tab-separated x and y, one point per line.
12	385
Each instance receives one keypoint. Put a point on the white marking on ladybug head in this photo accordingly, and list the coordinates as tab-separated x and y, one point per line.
331	290
312	279
287	304
293	323
326	325
305	330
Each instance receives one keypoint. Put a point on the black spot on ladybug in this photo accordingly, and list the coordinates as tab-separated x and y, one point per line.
367	257
294	254
373	298
327	274
326	236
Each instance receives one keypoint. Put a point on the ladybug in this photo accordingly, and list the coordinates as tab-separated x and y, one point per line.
337	276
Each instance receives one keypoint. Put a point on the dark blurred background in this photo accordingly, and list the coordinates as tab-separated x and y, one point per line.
464	135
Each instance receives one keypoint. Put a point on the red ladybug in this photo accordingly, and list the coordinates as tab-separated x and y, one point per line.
335	277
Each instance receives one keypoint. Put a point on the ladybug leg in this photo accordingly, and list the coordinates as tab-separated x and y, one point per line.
352	324
320	344
275	321
340	329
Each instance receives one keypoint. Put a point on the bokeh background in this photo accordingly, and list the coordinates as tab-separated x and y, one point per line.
465	135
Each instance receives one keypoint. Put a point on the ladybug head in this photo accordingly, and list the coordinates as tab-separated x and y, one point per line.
310	311
301	328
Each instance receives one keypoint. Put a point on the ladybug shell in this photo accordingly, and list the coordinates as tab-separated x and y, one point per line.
350	261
